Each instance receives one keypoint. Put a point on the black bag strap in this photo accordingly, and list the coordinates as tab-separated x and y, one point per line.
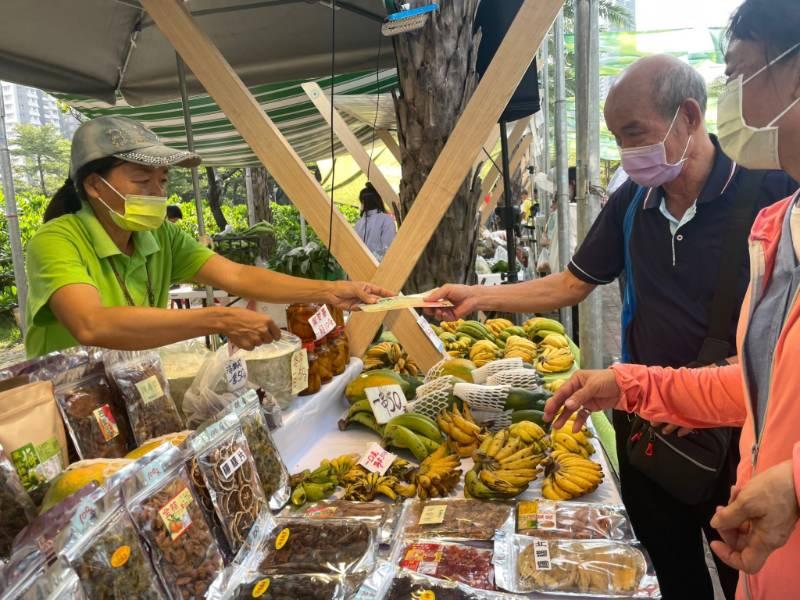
734	251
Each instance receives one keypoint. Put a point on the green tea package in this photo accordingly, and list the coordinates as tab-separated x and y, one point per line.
32	433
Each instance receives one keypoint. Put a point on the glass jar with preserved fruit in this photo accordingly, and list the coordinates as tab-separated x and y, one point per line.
341	349
337	314
325	354
297	316
314	379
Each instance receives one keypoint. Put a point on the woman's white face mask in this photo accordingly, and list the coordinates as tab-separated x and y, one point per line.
751	147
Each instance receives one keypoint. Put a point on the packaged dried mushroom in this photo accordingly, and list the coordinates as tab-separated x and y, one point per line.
229	471
143	386
97	429
573	520
110	560
16	508
591	568
269	465
168	516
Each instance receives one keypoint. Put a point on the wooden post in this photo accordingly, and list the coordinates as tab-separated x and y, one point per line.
391	144
352	145
481	114
275	153
516	159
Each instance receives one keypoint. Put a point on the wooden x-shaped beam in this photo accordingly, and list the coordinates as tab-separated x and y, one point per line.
482	112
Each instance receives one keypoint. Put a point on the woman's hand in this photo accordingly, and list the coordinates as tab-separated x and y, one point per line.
585	392
758	520
247	329
347	294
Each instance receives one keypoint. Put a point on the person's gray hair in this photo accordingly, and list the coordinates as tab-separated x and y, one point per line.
673	85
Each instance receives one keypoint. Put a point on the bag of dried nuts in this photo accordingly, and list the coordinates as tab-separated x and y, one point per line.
143	385
167	514
229	470
110	560
271	471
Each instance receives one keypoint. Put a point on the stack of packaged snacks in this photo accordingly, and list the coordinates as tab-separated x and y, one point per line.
32	433
573	520
272	473
16	507
167	515
598	568
379	515
141	381
229	471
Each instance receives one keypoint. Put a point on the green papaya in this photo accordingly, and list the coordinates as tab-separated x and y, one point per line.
376	378
521	399
536	416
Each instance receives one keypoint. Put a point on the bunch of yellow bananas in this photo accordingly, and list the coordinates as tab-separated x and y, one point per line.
520	347
574	442
456	345
363	486
497	326
311	486
555	340
554	360
531	434
451	326
463	434
538	328
483	352
439	474
568	476
504	466
390	355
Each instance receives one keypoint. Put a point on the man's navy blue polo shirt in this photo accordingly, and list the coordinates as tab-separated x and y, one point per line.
673	292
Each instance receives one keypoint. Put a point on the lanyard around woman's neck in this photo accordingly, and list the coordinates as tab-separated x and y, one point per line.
126	293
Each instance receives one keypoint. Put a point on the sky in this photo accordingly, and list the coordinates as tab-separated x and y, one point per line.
653	14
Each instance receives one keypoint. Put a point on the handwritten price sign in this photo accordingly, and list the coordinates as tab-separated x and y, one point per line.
236	373
387	401
377	460
322	322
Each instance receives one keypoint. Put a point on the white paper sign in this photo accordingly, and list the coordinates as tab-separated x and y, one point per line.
387	401
377	459
322	322
236	373
299	368
428	330
546	515
233	463
541	553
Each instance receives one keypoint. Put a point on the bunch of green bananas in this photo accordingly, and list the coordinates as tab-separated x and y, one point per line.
463	434
415	432
554	360
504	466
361	412
476	330
312	486
439	474
568	476
456	345
538	328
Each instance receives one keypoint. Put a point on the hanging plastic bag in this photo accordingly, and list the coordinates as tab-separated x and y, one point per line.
16	507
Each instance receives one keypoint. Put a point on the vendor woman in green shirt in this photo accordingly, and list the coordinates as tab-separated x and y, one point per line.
100	267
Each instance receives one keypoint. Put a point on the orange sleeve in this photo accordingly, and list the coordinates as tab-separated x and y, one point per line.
711	397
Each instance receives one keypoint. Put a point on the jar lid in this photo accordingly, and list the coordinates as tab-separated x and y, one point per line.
286	345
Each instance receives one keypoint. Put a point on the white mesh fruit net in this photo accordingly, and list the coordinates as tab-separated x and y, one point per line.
433	397
493	420
521	378
482	397
481	374
435	372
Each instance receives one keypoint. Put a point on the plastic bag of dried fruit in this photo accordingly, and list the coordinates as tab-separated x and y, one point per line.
167	515
573	520
16	506
47	581
229	471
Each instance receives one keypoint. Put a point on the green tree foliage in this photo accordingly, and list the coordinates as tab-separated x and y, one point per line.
44	158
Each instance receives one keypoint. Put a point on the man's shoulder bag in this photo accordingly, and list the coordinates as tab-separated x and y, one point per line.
689	467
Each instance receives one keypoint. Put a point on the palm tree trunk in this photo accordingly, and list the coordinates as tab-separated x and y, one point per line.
437	76
263	211
214	197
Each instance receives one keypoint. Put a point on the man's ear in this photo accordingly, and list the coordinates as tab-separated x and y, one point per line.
695	117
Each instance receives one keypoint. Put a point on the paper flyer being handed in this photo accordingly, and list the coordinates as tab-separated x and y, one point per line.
401	302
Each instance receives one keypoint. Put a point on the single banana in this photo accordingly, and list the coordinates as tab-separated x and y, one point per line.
418	423
402	437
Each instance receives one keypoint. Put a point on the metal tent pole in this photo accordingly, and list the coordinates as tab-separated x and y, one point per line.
562	160
20	279
587	120
544	197
187	121
251	201
508	208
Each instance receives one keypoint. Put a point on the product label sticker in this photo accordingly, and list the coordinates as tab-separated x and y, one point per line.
526	514
37	465
322	322
261	588
427	595
150	389
236	373
242	401
423	558
85	514
432	515
106	422
233	463
322	512
175	513
377	459
299	368
430	333
546	515
282	538
120	556
541	553
387	402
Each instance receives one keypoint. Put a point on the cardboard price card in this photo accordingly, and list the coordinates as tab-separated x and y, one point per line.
387	401
236	373
377	460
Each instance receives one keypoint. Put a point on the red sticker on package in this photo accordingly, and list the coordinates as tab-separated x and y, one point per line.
106	422
456	562
322	322
175	513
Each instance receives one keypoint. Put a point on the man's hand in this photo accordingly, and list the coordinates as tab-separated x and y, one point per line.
247	329
759	519
585	392
347	294
669	429
464	299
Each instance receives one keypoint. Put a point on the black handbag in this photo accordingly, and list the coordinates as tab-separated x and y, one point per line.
689	467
